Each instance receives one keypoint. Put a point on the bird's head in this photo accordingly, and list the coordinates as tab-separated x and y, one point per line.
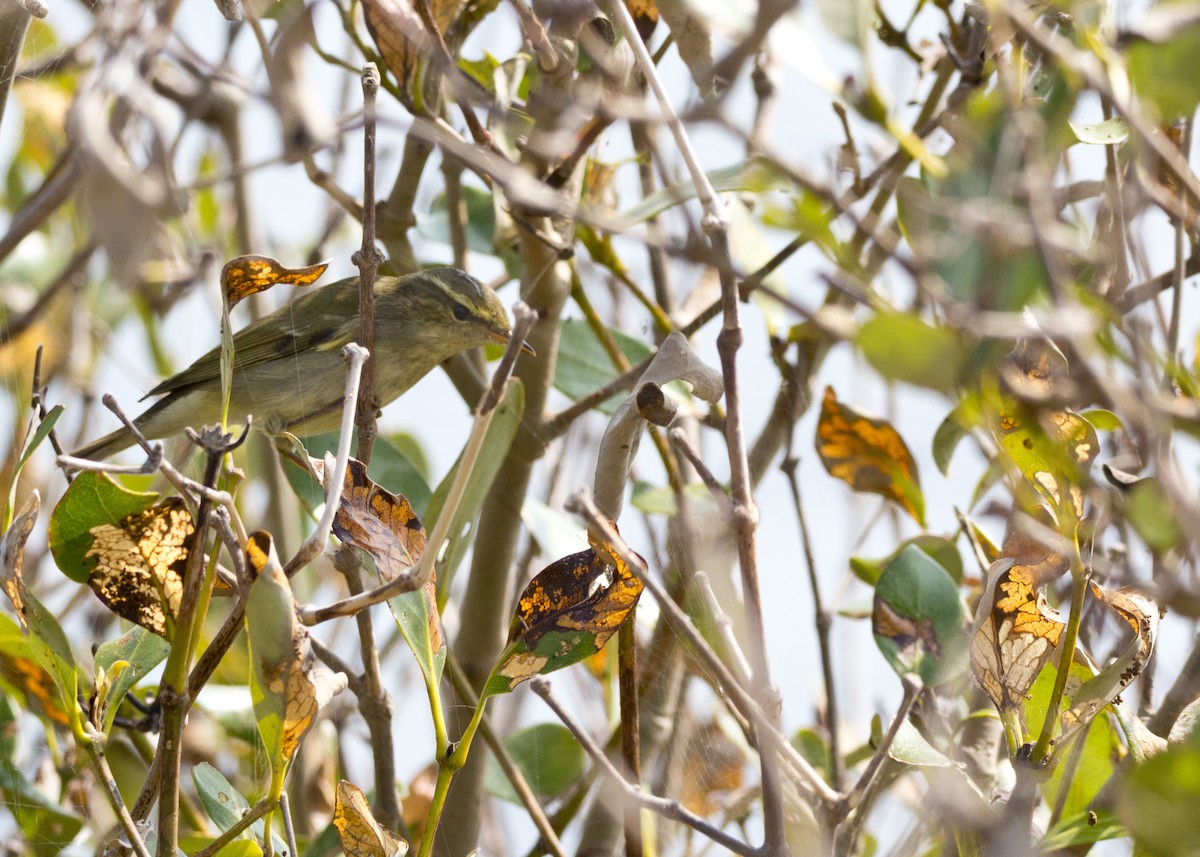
449	310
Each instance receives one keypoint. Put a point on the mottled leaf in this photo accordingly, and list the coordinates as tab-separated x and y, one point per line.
868	455
566	613
1015	630
361	834
249	275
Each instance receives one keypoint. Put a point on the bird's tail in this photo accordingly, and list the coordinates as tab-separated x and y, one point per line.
106	446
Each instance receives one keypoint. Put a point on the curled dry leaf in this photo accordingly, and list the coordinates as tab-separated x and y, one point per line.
1142	615
140	562
868	455
12	554
372	518
384	525
566	613
401	35
712	767
248	275
361	834
1015	630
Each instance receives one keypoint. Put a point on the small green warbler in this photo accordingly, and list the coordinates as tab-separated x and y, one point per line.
287	367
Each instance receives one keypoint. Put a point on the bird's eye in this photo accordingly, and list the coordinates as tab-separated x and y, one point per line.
461	312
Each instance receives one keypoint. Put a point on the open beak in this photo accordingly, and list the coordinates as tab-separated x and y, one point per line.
505	336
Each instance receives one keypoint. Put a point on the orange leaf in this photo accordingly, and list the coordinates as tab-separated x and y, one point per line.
868	455
248	275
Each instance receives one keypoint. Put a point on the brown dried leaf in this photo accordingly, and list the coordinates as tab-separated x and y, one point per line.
361	834
374	519
140	564
248	275
712	765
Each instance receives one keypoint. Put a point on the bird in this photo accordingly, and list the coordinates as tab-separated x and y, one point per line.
287	367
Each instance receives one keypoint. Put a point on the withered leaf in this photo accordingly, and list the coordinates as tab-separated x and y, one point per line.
1142	615
361	834
868	455
374	519
401	35
248	275
140	563
1015	632
566	613
12	554
288	686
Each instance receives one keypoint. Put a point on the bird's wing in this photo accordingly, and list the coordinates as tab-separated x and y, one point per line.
265	340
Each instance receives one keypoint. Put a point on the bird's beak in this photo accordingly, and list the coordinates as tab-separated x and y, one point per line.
505	336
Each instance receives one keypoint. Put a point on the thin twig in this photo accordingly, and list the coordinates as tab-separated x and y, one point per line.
115	801
823	622
367	258
666	808
312	547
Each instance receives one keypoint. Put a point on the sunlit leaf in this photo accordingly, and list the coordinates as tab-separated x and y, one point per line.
249	275
361	834
1015	629
918	618
549	757
566	613
942	550
868	455
911	748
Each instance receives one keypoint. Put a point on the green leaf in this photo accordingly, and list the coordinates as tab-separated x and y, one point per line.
549	757
942	550
91	500
139	651
660	500
949	434
911	748
34	441
226	806
1157	801
584	366
904	348
496	442
52	650
1083	828
756	175
1149	511
1163	72
46	826
481	221
1107	133
849	20
400	471
918	618
1102	420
